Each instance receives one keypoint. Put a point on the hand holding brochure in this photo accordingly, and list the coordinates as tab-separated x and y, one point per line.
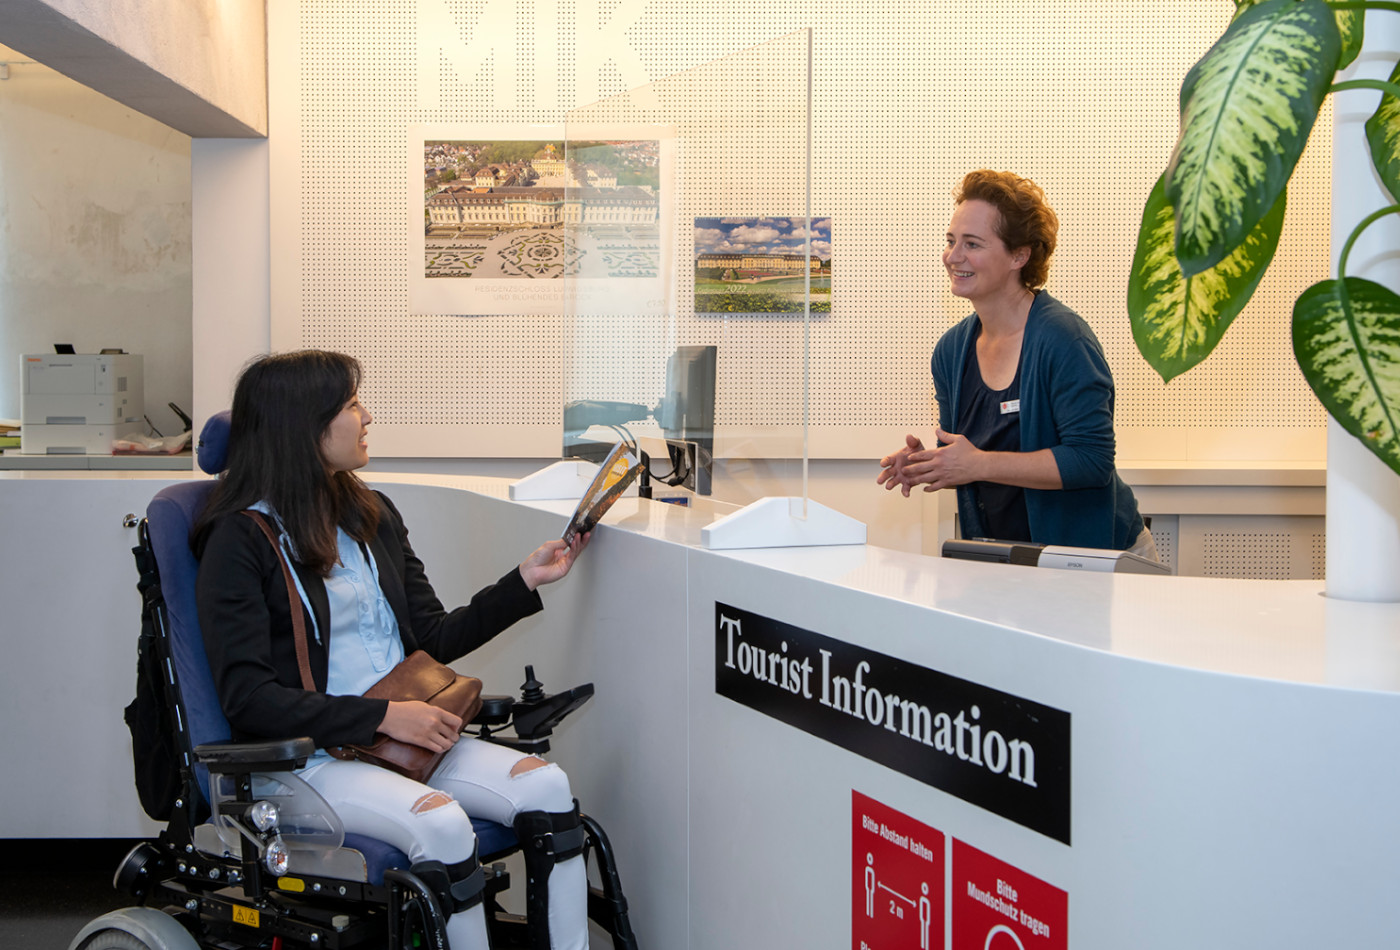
614	475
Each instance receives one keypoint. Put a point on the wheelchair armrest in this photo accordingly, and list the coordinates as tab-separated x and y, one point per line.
278	755
495	710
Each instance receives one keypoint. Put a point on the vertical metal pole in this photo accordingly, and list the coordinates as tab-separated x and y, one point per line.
807	309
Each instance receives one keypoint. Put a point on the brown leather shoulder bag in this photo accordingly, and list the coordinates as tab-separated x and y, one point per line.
418	677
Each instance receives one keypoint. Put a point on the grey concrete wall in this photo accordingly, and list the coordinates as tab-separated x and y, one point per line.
94	234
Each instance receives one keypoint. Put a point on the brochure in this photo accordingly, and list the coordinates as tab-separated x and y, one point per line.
616	472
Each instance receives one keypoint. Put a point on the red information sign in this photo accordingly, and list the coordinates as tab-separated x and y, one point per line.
996	906
896	879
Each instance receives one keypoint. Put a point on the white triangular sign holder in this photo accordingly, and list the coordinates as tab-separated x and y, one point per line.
567	479
779	523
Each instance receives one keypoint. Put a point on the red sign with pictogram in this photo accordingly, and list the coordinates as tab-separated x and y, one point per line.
996	906
896	879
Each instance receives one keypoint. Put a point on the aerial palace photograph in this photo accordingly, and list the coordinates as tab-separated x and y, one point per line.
757	265
541	210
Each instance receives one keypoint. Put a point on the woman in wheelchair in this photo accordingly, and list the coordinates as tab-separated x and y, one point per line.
297	436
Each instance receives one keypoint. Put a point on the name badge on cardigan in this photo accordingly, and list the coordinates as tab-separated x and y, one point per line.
1010	406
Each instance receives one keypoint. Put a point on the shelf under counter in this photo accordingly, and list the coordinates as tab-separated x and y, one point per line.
179	462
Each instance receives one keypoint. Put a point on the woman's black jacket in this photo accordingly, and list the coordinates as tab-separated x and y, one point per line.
246	622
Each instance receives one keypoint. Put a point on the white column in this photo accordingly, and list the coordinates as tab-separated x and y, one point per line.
1363	494
229	182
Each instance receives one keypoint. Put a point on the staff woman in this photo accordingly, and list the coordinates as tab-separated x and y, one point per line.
1025	396
297	436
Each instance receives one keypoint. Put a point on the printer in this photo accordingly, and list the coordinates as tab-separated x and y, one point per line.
1030	554
80	403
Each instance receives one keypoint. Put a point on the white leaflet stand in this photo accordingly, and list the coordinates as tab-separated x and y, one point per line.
778	523
567	479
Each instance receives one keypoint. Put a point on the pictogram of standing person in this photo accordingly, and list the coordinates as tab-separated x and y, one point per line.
925	918
869	884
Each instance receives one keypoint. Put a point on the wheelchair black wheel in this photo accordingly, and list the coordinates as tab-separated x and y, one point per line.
411	926
113	939
414	928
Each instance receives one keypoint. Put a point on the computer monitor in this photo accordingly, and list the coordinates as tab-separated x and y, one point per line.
687	410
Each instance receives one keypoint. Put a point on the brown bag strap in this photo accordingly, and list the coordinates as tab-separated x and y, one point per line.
293	601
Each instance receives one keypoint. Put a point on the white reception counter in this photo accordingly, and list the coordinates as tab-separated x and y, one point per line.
839	747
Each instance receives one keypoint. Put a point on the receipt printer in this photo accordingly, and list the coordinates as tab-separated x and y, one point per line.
80	403
1052	555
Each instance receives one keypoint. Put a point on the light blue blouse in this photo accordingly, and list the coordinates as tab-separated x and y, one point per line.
364	636
365	643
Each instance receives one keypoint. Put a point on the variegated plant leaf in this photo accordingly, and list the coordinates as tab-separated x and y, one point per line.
1246	110
1178	320
1383	132
1351	24
1346	336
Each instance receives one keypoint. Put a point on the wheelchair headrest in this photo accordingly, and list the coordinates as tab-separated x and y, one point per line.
212	451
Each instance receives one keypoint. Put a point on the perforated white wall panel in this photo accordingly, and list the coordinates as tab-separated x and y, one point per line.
1165	529
908	97
1318	550
1255	547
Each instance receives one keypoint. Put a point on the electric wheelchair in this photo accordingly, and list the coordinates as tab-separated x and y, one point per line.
252	857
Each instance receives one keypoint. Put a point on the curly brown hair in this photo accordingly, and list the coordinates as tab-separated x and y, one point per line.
1024	219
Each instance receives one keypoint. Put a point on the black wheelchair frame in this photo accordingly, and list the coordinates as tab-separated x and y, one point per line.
224	900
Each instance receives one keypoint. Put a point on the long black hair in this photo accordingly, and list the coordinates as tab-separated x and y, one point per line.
282	406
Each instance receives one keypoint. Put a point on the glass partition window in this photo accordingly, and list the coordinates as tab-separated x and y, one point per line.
698	268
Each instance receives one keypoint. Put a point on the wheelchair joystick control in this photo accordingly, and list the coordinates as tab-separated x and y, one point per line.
532	690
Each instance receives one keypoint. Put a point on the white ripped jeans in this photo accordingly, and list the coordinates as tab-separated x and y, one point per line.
414	818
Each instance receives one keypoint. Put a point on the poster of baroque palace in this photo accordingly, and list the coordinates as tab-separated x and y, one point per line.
533	220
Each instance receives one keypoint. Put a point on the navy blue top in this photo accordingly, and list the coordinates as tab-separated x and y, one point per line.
1066	407
991	420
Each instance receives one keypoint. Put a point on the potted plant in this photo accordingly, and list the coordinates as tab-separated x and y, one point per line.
1212	222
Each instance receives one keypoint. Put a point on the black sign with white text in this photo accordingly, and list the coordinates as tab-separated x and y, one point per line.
992	749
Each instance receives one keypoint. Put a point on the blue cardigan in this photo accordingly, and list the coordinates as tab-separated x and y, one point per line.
1066	407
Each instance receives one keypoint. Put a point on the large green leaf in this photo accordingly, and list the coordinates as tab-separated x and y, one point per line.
1346	336
1383	132
1246	110
1178	320
1351	24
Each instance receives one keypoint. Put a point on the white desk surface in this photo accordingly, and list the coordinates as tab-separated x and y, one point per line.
1223	473
1281	630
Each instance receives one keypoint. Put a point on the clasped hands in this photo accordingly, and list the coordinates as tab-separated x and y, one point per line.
947	465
